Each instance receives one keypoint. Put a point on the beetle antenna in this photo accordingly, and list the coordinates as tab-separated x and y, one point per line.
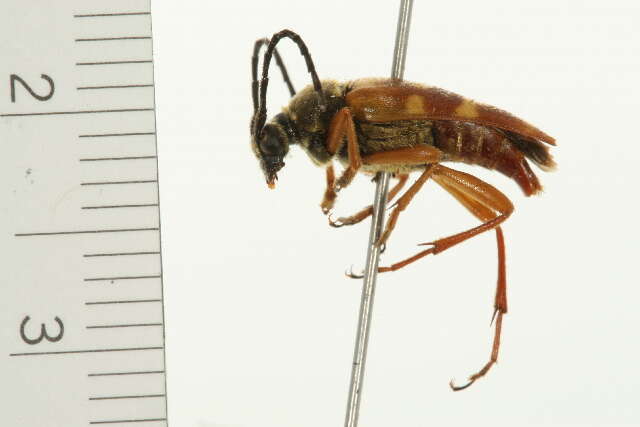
261	114
254	71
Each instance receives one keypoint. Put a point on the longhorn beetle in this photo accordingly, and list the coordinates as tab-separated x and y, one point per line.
384	125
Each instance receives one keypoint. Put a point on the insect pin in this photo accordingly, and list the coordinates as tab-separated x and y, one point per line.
384	125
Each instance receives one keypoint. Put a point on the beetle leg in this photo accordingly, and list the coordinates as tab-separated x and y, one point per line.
409	156
474	189
479	191
366	212
500	303
402	204
490	206
500	308
485	214
418	155
493	359
329	194
341	126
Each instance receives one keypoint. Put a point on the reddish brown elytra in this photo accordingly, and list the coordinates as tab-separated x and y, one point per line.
374	125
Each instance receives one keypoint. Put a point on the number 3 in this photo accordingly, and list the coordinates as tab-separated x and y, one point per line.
43	332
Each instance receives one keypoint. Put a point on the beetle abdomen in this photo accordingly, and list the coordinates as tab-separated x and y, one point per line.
493	149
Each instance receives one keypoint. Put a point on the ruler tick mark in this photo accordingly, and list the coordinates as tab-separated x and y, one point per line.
142	181
97	350
105	135
136	61
146	205
100	15
128	421
133	301
121	254
113	86
125	325
54	113
57	233
99	159
140	396
104	39
97	279
109	374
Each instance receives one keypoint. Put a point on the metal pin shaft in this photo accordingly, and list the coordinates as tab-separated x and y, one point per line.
373	252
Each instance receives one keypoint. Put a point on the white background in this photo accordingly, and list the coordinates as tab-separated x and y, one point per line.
260	318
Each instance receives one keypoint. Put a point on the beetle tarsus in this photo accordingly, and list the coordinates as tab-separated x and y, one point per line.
336	224
493	359
327	202
462	387
353	275
351	220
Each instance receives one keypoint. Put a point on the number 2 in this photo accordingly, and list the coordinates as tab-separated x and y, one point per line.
15	77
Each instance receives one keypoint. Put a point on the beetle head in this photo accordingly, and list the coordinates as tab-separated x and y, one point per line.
271	141
270	146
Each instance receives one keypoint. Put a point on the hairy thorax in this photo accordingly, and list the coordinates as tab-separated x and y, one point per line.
312	121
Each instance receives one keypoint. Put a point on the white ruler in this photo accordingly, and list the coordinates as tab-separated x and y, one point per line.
81	307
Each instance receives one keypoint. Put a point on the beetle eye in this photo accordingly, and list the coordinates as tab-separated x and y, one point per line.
270	145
